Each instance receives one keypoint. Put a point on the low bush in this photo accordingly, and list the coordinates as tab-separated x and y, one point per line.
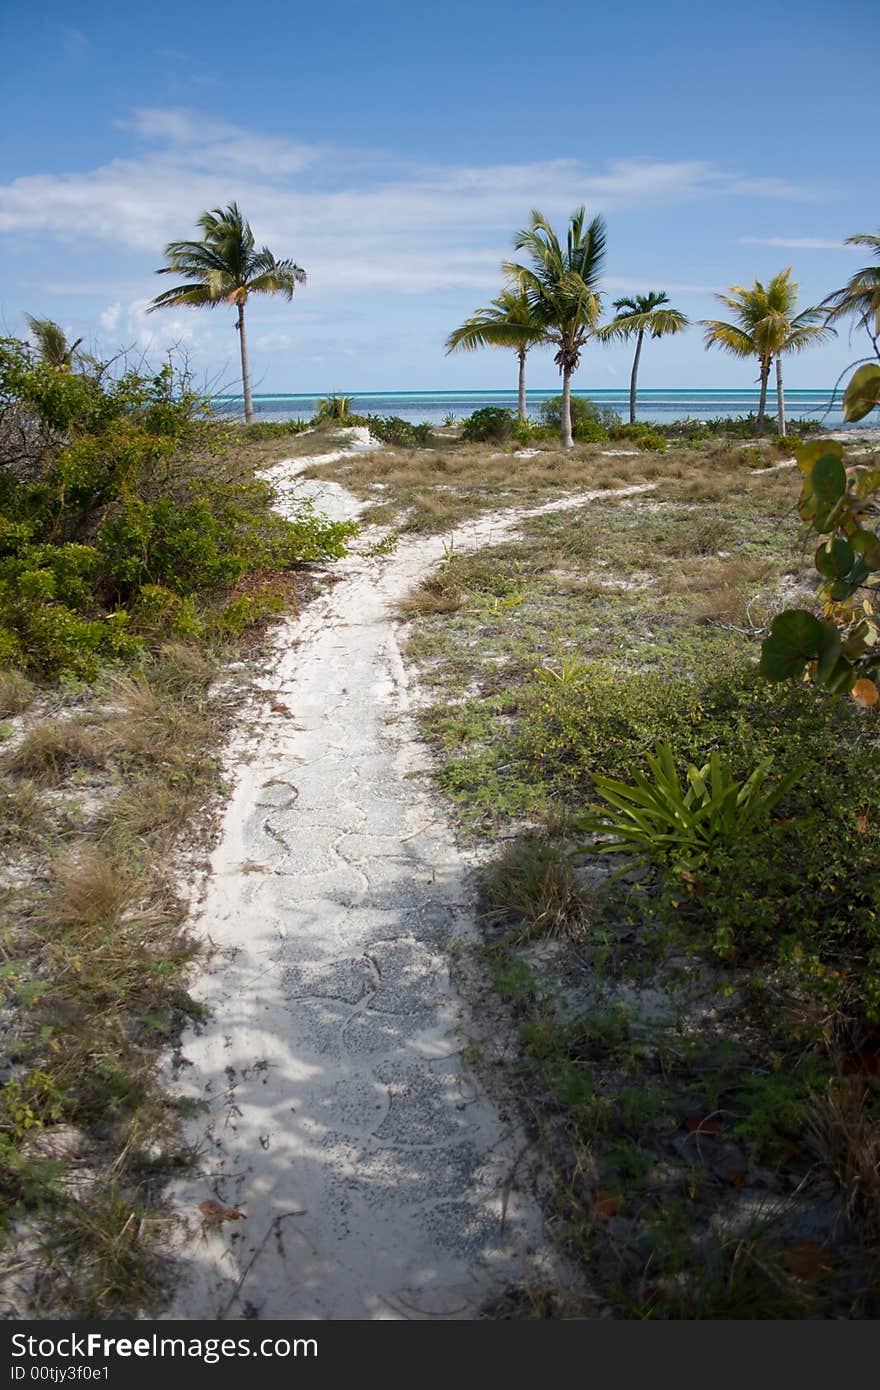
589	422
643	436
122	517
491	425
273	429
804	892
391	429
732	427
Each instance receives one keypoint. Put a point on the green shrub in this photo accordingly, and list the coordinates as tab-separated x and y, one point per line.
805	893
116	499
492	424
643	436
589	422
273	429
391	429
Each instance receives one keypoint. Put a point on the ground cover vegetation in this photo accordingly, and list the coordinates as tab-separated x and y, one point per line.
695	1038
139	558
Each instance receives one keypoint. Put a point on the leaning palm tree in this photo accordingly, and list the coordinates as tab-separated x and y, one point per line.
766	327
860	296
51	343
507	322
636	317
225	268
561	286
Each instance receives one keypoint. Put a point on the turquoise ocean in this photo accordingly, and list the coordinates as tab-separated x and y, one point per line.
661	407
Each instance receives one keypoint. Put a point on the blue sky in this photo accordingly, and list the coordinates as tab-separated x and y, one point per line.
393	150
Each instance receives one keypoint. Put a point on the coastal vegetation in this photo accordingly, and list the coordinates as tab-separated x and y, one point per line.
766	327
694	1041
508	322
560	284
646	313
651	676
226	267
140	559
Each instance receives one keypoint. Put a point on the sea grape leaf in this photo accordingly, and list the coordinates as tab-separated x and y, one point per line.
807	454
796	637
836	559
863	392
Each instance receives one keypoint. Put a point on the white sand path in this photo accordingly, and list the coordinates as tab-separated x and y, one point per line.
379	1181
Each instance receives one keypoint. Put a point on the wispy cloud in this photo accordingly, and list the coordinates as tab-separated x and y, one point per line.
356	221
793	243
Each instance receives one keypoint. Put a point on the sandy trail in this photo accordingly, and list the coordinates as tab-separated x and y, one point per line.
374	1174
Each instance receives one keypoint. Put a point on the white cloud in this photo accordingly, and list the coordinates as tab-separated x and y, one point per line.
110	317
355	222
793	243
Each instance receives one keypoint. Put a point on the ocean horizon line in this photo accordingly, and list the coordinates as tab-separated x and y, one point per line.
537	391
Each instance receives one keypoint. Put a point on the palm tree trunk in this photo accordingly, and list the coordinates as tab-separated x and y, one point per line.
762	403
633	379
245	371
780	398
521	353
567	438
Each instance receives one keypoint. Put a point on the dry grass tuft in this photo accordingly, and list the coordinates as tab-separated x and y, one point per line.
23	818
151	726
50	751
16	693
181	668
90	891
716	589
533	886
437	593
845	1134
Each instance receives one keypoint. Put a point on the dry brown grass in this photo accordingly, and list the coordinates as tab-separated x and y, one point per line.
533	886
716	588
845	1134
181	668
89	890
49	752
16	693
23	817
438	593
149	726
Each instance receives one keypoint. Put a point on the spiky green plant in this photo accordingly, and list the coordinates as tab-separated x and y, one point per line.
645	313
334	407
658	819
766	327
226	267
507	322
561	286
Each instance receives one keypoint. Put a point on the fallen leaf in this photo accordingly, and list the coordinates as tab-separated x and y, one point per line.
215	1211
606	1205
701	1124
736	1179
807	1259
866	694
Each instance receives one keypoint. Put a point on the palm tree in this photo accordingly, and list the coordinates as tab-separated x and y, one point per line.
641	315
225	268
52	345
507	322
766	328
560	285
860	296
